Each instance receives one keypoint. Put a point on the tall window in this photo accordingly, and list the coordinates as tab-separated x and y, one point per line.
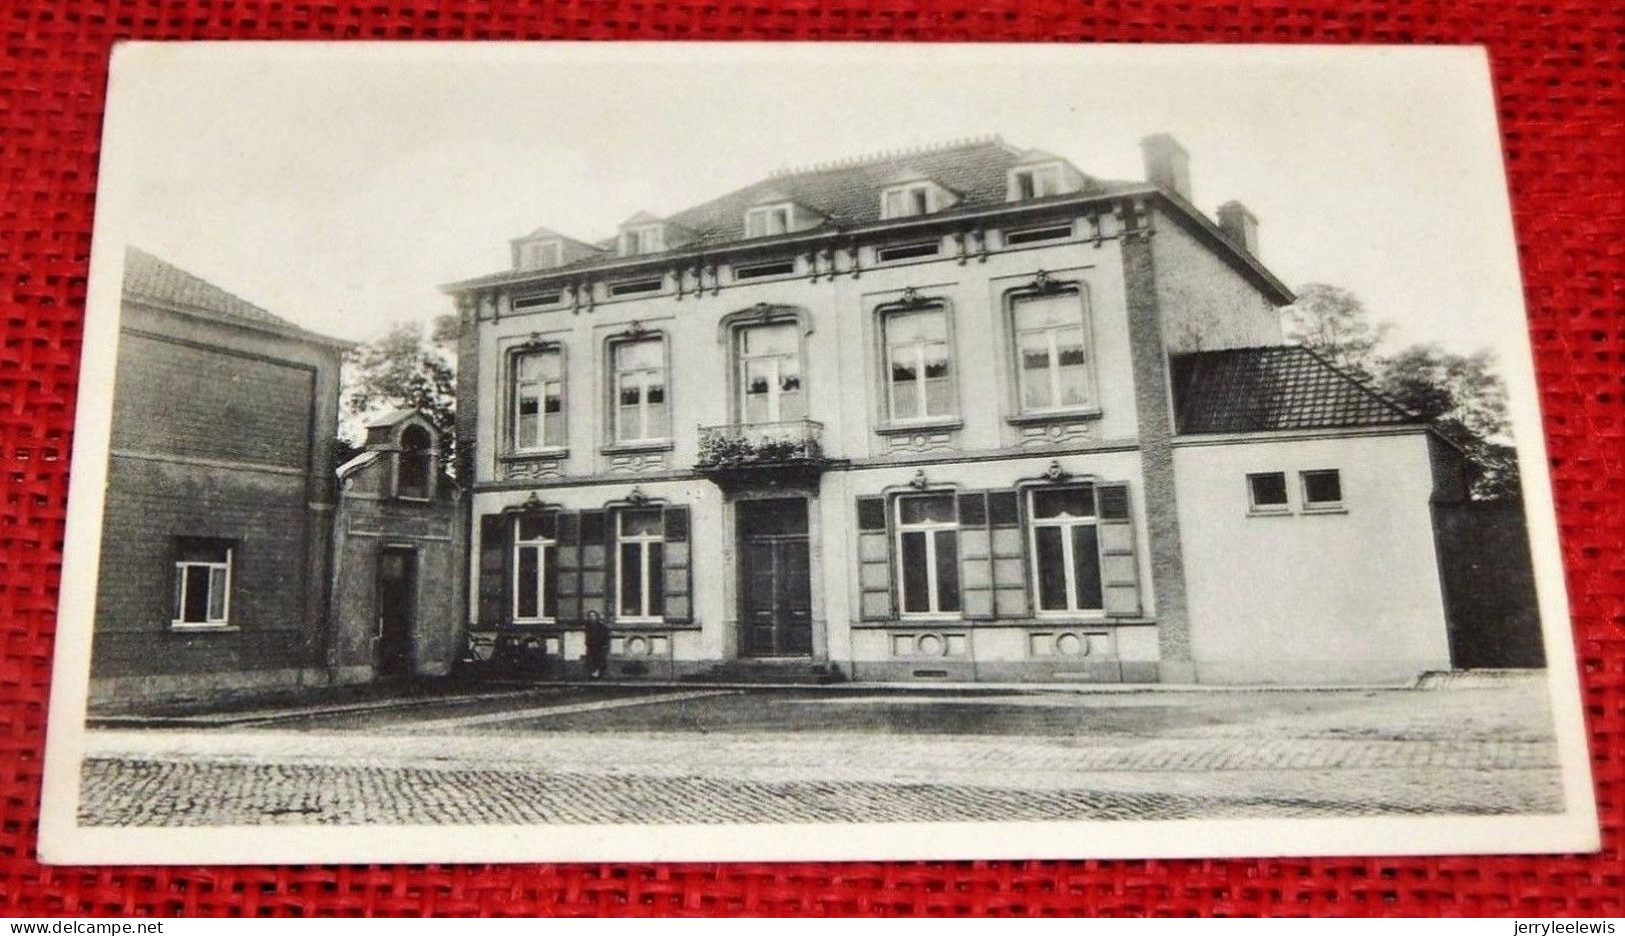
767	221
928	551
538	399
640	582
202	583
919	374
906	201
1052	353
769	362
535	563
640	390
415	465
1065	549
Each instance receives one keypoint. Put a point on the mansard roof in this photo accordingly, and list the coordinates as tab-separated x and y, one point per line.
1274	388
148	278
846	194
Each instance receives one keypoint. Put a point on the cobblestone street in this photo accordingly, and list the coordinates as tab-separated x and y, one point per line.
607	755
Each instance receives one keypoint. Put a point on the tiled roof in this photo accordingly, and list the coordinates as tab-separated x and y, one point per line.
147	277
847	194
1282	387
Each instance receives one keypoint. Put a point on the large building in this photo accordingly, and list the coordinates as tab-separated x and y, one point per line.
958	413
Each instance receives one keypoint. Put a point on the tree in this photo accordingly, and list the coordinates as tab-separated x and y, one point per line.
1461	394
1467	402
1334	322
407	367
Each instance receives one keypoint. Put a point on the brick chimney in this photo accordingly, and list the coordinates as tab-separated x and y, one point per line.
1167	165
1239	225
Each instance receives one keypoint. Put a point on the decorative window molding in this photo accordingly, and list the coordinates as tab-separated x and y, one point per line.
1051	351
638	389
537	399
640	543
919	385
769	367
1064	542
535	565
202	586
927	554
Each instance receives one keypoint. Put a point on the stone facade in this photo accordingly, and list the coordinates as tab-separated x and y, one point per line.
809	515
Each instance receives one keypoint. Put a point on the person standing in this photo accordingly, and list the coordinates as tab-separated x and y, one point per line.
597	645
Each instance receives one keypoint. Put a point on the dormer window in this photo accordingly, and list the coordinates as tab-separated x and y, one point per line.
647	239
908	201
1029	182
538	255
767	221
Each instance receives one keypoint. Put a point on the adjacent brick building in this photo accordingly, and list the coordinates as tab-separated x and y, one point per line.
966	412
220	493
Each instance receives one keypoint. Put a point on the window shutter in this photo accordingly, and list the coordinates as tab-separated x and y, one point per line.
594	559
975	557
1119	572
874	561
567	540
494	578
678	572
1008	547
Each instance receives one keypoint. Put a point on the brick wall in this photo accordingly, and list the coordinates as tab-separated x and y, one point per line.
215	435
198	402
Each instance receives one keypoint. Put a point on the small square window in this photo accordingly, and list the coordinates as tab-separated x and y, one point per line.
1267	492
1322	490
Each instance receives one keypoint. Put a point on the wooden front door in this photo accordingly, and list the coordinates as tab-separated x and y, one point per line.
397	610
775	578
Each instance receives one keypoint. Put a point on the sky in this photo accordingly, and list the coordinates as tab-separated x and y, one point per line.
339	185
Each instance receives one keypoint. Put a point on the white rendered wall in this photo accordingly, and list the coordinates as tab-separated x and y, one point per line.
1312	598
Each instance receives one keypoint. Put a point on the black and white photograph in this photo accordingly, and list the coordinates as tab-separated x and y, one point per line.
506	451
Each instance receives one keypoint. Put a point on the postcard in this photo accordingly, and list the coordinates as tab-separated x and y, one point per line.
503	451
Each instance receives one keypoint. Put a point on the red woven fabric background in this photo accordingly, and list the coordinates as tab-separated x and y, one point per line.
1559	67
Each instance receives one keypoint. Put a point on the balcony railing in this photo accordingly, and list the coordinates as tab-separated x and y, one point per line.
796	442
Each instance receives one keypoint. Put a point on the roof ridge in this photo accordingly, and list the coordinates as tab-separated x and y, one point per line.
853	162
154	258
1370	391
